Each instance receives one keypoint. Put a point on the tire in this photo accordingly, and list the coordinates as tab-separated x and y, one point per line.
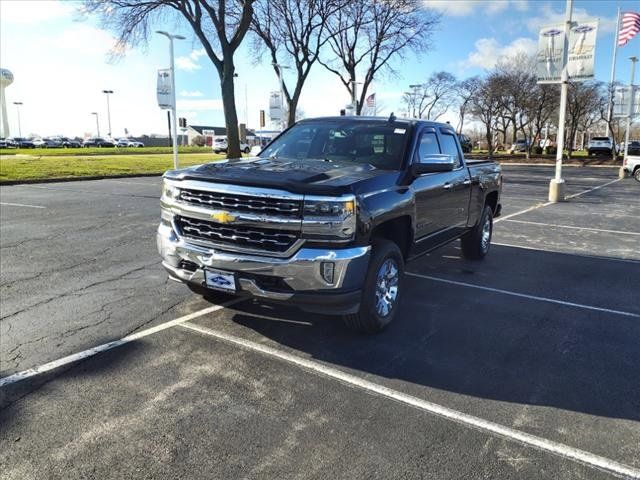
636	174
476	243
378	310
247	150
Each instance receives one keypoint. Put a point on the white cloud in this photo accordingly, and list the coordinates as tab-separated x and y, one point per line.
192	93
34	11
186	64
200	104
488	51
549	16
462	8
196	54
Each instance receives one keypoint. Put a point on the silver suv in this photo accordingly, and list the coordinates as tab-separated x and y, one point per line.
600	146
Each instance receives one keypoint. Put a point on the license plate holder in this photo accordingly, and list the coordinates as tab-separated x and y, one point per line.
220	280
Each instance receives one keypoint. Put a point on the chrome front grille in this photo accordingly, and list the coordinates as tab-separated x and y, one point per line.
236	236
282	207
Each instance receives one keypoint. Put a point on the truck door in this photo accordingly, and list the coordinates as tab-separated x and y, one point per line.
432	193
458	184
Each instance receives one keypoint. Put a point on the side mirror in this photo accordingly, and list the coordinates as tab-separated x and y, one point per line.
433	164
255	150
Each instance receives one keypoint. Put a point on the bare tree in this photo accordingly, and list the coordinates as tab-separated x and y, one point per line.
583	100
292	30
434	97
220	25
540	108
465	90
485	107
365	35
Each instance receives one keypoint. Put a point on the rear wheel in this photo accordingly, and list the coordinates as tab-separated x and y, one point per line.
636	174
381	291
247	150
476	243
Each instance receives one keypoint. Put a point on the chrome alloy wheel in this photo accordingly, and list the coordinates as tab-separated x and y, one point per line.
486	234
387	287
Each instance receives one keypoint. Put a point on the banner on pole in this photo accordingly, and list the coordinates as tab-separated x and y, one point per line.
164	89
580	58
621	102
582	49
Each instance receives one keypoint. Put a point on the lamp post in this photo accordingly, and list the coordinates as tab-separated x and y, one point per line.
107	92
415	89
281	82
17	104
634	60
557	185
97	123
174	127
354	95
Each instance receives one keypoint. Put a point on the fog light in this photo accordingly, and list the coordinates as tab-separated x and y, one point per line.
326	270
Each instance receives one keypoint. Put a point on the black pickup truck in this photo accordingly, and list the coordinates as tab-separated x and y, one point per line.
327	215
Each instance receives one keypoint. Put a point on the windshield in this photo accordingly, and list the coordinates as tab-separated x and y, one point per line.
376	142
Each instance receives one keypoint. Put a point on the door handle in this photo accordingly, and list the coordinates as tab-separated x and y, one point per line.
447	186
467	182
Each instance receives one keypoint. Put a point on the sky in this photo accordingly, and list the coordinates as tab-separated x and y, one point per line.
61	63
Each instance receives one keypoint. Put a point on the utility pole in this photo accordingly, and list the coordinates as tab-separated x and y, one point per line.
174	119
17	104
557	185
97	123
634	60
107	93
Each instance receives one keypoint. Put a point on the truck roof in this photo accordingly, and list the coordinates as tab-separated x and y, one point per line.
411	121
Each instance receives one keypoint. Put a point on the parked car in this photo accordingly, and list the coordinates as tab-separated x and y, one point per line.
98	142
220	145
126	143
69	142
20	142
633	149
600	146
465	143
326	217
520	145
632	163
47	143
4	143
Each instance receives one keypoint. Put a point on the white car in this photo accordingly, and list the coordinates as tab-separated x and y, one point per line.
125	142
220	145
632	166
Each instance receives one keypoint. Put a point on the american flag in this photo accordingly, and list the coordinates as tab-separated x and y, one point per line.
371	100
629	27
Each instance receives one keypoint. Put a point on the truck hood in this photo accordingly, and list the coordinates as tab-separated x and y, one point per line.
307	176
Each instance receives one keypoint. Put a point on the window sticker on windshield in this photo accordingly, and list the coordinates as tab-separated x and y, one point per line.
400	130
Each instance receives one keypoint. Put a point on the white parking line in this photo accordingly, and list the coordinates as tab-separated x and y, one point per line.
540	443
546	204
524	295
572	227
594	257
31	372
21	205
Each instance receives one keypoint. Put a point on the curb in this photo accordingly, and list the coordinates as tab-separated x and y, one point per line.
76	179
575	165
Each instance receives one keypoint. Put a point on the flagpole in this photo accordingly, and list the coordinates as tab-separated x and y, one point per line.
613	79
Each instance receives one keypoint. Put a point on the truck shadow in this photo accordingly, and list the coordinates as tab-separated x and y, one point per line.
483	344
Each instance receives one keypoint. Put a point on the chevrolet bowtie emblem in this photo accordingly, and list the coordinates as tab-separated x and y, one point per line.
222	217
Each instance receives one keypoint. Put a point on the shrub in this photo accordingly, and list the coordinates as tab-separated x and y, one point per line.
551	150
537	150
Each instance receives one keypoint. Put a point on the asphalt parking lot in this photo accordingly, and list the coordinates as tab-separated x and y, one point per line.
524	365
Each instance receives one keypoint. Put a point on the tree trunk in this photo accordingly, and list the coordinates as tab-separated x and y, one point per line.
489	141
230	114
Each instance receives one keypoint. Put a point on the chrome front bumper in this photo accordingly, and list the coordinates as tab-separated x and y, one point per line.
301	273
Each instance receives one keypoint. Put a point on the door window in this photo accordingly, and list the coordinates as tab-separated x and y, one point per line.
450	147
428	145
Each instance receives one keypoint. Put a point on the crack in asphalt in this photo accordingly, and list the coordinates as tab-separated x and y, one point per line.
76	291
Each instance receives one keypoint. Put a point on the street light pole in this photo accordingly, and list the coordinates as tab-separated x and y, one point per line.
557	185
415	97
107	92
17	104
97	123
174	119
283	123
634	60
354	95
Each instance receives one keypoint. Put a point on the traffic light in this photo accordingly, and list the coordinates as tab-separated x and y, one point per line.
262	123
182	122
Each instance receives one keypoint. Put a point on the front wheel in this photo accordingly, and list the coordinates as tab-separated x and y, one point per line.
381	291
247	150
636	174
476	243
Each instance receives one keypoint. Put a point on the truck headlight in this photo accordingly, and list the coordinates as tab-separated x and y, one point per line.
170	192
330	219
